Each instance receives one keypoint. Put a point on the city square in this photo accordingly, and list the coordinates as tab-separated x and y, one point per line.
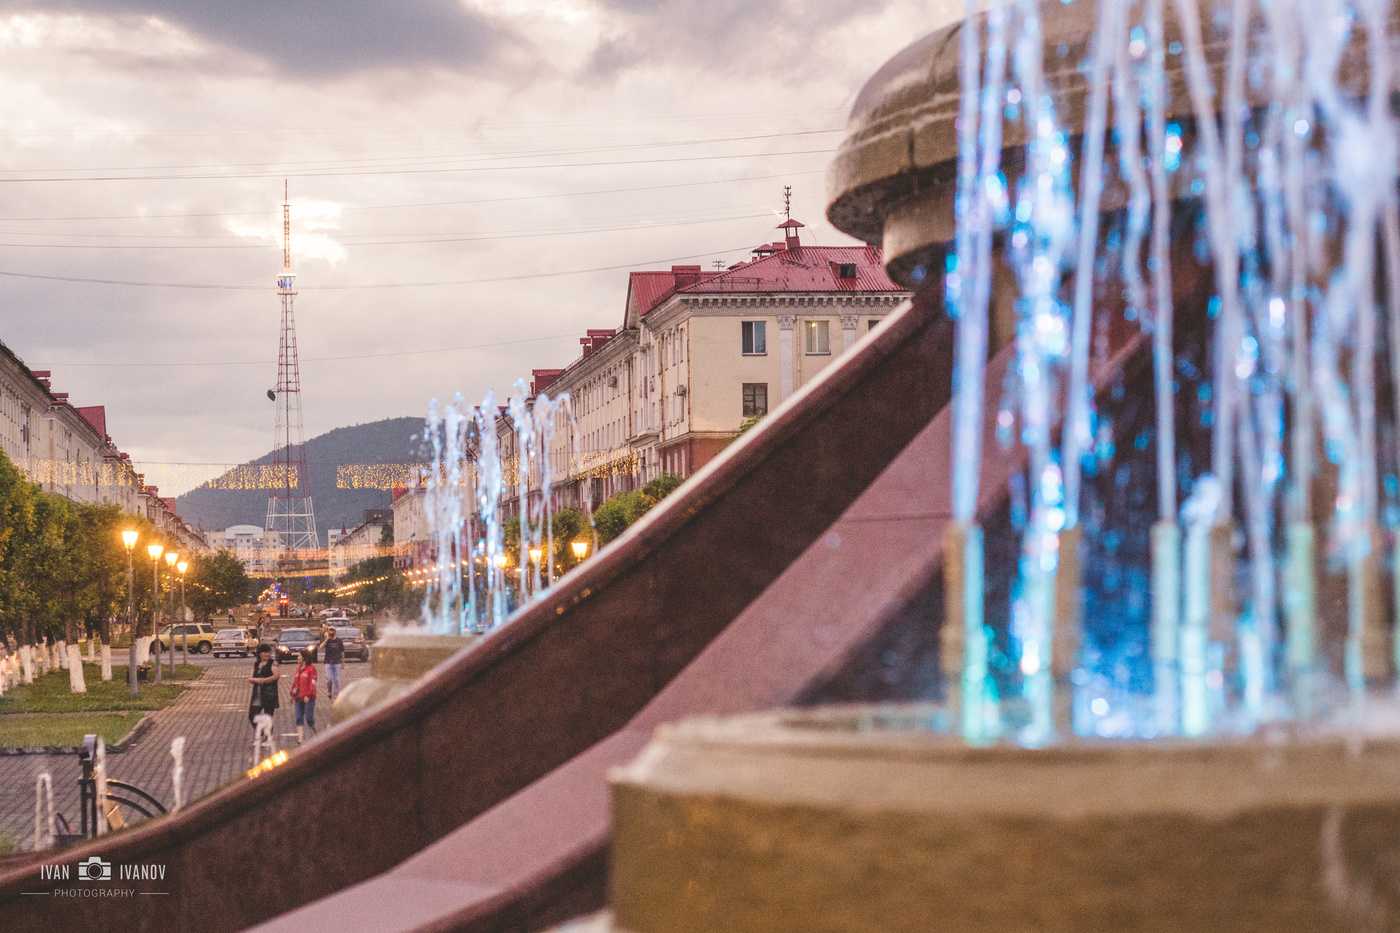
1009	540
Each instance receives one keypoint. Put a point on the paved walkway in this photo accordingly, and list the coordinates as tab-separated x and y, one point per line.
212	715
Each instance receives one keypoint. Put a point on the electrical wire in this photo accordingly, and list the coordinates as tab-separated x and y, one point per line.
421	157
412	205
213	286
360	173
465	238
310	359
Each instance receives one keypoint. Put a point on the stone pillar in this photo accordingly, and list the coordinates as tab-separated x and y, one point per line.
849	322
785	355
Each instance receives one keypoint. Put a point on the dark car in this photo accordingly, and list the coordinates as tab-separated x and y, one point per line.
355	644
292	642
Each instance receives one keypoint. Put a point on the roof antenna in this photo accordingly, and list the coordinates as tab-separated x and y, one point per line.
787	202
718	264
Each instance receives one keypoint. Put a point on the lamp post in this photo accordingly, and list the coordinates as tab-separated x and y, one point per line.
129	537
580	548
171	559
183	566
155	550
536	553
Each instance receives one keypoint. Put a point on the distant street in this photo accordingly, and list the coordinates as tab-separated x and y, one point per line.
212	715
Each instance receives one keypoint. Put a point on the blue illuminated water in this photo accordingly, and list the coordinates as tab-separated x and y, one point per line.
1227	184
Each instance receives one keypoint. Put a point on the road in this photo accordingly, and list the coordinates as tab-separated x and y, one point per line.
212	715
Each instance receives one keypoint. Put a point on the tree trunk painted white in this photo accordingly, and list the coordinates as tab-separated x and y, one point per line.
143	650
76	682
26	661
92	648
61	649
106	662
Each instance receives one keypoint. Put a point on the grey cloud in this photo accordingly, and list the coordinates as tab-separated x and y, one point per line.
738	36
321	37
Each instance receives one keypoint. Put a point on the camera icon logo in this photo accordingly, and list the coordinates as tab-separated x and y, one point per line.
94	868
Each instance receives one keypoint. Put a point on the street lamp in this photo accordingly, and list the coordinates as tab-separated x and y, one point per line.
129	537
580	548
171	559
155	550
536	553
183	566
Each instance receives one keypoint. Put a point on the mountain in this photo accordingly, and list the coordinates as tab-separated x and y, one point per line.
221	502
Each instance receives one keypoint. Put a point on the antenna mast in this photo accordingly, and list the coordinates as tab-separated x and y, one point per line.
291	518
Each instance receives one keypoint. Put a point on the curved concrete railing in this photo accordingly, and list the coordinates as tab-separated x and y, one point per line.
564	674
866	585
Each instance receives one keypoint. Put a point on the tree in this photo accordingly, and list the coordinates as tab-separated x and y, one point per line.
617	514
662	486
17	497
218	582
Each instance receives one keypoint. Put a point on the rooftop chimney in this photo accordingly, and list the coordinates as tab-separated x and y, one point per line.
790	228
685	275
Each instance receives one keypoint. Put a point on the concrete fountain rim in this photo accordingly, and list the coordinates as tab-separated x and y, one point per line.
818	757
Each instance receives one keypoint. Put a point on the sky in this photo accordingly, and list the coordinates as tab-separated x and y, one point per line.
452	165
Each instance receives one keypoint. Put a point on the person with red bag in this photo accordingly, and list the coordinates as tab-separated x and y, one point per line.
304	693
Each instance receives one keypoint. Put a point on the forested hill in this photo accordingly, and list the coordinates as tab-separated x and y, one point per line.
394	440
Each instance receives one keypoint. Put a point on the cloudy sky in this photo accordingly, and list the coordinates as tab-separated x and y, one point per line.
488	146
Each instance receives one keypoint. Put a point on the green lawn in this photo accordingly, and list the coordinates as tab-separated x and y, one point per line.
50	694
65	729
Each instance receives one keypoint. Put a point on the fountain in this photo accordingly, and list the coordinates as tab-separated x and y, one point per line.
45	830
471	589
1166	664
177	772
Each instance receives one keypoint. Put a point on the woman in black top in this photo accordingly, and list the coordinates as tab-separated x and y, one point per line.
264	681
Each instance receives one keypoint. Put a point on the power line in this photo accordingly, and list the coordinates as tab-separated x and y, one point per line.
223	176
277	165
466	238
213	286
418	204
310	359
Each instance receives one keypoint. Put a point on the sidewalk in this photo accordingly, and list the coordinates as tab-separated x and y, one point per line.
212	715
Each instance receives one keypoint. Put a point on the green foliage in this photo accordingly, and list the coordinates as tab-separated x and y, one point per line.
50	693
386	590
617	514
567	525
63	730
218	582
62	563
662	486
748	423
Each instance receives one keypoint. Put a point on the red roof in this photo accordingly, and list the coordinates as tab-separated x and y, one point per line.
646	290
809	269
95	415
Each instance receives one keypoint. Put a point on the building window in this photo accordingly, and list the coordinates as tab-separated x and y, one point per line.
870	324
755	399
755	338
817	335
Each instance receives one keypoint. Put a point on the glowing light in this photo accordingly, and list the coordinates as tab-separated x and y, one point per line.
275	760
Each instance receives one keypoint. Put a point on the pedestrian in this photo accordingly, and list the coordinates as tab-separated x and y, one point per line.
335	658
304	693
264	681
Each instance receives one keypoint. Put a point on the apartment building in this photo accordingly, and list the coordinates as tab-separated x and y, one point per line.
699	353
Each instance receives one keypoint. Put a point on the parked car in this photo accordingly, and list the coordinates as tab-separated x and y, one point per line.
292	642
197	637
231	641
355	644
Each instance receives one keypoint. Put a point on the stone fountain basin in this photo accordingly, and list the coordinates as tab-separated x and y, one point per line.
863	818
